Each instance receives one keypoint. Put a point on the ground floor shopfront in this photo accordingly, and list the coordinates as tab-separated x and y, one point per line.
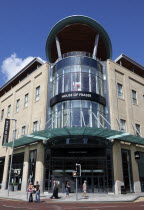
107	165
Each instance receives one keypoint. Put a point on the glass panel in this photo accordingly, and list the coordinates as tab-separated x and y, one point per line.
85	69
86	117
93	83
66	117
59	115
85	82
67	82
75	103
75	117
60	84
76	84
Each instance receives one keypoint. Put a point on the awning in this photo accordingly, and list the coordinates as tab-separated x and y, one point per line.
76	131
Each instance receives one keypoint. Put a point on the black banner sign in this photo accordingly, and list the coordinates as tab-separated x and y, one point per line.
6	131
78	95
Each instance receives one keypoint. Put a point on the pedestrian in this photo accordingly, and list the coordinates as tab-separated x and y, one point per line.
55	190
57	186
30	192
67	188
84	188
37	187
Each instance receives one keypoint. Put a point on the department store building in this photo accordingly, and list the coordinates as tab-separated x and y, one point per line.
79	107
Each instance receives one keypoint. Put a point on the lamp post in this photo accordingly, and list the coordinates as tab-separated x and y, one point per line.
14	137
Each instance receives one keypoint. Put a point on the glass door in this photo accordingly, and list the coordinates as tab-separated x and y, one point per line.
98	184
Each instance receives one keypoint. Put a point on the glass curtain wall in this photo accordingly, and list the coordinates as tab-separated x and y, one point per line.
77	113
77	78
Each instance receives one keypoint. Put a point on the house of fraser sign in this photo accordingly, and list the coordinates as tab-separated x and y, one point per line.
78	95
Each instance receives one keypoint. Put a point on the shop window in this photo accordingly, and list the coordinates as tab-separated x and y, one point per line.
32	165
134	97
17	170
120	90
37	93
127	170
2	114
2	161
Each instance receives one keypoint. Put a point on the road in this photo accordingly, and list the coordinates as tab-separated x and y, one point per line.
51	205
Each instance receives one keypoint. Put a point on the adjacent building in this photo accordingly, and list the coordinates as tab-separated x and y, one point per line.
79	107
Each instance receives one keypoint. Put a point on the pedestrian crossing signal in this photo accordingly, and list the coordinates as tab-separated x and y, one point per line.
78	169
74	173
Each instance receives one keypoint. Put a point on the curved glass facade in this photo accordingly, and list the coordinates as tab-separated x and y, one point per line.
77	74
77	113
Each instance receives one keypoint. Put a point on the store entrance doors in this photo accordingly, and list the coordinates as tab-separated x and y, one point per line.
96	165
95	184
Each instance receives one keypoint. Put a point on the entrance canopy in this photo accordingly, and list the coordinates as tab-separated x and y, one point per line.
50	134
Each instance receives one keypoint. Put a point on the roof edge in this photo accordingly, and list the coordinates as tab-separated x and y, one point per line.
21	71
77	19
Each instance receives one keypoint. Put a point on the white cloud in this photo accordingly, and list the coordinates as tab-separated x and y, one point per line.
12	65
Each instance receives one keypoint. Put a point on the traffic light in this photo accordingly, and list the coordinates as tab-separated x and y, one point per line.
78	169
74	173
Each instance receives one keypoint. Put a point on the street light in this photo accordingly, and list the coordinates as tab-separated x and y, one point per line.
14	137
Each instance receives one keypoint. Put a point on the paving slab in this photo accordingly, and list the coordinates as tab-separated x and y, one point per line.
91	197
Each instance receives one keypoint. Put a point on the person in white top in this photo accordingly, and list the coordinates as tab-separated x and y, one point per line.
84	188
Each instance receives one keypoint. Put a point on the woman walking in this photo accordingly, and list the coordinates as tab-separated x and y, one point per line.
84	188
67	188
30	192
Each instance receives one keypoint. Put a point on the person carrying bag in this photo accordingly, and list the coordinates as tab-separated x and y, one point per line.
30	192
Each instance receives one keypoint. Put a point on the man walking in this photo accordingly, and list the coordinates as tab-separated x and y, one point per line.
37	186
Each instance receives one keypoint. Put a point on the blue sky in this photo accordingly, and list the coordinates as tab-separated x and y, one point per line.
25	24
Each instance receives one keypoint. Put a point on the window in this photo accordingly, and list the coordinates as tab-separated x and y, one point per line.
137	129
37	93
17	105
2	114
26	100
120	90
23	130
134	97
35	126
123	125
9	109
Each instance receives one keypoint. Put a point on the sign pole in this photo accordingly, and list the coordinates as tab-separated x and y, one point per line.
14	136
76	190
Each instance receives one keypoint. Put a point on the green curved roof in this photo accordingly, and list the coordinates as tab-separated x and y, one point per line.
50	134
77	19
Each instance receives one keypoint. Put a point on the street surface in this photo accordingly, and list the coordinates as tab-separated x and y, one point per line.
52	205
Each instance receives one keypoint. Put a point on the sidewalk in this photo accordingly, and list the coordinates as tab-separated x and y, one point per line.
91	197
